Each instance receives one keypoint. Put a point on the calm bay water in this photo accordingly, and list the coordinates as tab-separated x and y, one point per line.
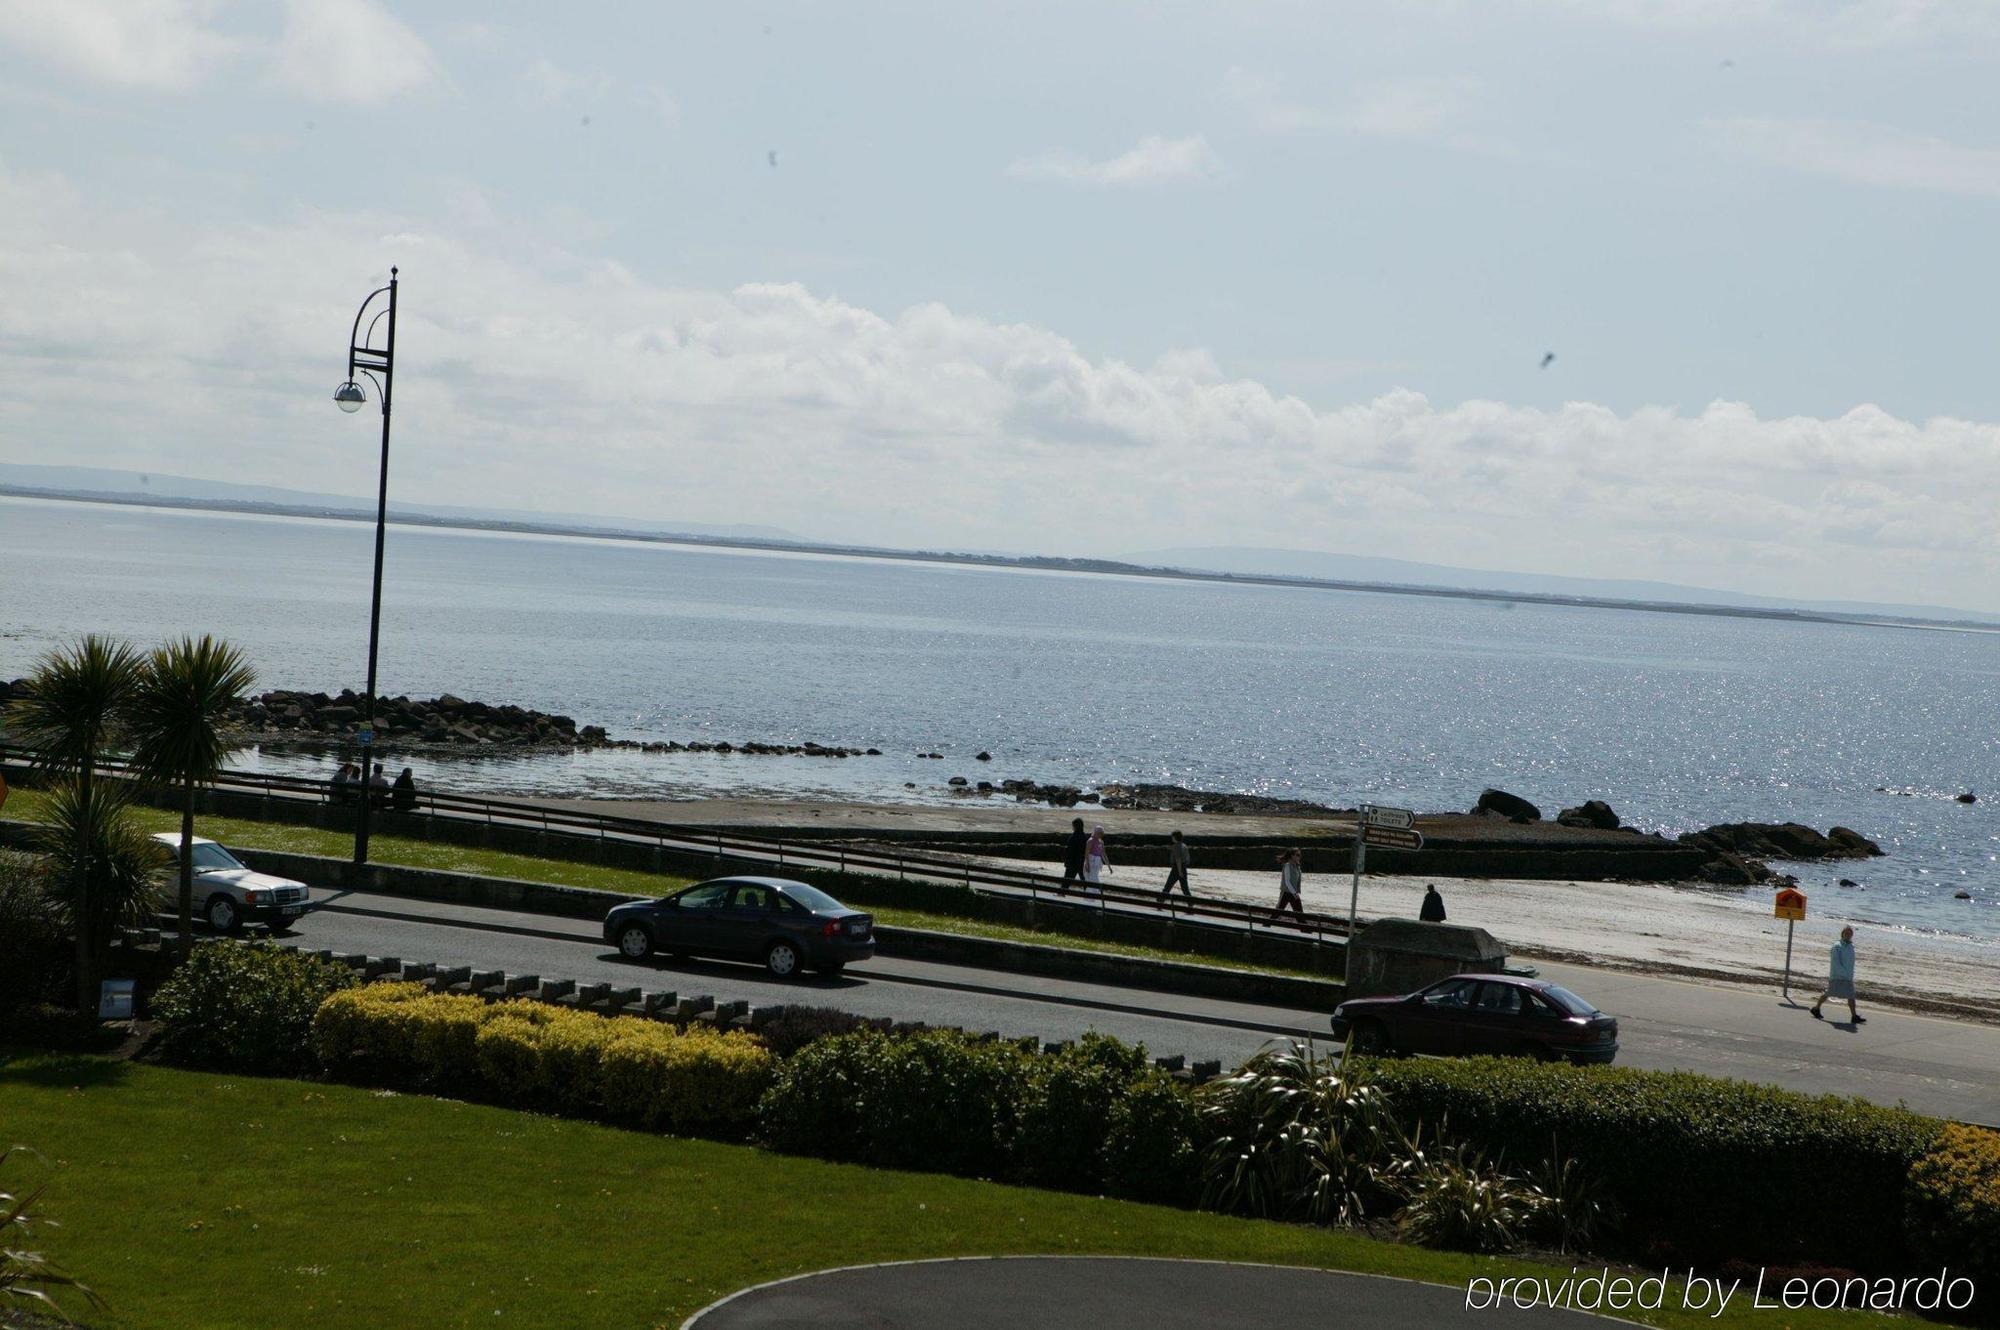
1676	720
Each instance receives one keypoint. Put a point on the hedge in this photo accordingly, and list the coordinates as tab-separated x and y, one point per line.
244	1007
1952	1207
1093	1117
617	1068
1704	1168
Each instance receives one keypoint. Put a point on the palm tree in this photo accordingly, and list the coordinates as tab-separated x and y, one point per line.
97	841
74	710
184	694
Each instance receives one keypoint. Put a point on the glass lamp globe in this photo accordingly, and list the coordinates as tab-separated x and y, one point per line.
349	396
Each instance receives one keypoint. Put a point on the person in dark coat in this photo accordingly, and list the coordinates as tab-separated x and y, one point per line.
403	794
1433	911
1073	853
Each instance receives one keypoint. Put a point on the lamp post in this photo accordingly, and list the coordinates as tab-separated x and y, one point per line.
364	357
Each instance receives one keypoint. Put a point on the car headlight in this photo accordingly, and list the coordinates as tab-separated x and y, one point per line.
253	898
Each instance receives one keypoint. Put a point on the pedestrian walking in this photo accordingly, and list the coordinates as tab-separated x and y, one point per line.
1177	867
1291	887
378	788
1840	977
1433	909
403	794
1096	863
1073	853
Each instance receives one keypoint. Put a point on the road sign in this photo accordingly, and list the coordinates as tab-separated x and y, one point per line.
364	737
114	1000
1392	838
1376	816
1789	904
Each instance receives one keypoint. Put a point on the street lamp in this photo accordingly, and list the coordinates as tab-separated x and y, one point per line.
364	358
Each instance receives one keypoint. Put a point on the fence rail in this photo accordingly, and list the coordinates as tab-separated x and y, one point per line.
729	844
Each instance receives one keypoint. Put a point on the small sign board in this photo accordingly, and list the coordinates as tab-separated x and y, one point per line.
114	1000
1391	838
1790	903
364	737
1400	818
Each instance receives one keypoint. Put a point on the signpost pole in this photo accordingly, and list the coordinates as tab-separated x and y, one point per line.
1354	892
1790	924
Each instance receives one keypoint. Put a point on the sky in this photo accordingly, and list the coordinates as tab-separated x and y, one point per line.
1047	278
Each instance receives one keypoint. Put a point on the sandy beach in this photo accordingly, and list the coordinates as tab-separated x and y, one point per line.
1717	934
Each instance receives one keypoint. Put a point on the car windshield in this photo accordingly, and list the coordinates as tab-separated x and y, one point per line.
1568	1001
812	898
209	856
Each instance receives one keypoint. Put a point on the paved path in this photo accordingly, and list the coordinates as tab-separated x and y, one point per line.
1937	1066
1105	1293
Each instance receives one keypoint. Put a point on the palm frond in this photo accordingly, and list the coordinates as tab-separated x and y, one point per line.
75	704
178	706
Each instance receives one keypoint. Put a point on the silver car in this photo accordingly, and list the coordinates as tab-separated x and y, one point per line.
228	893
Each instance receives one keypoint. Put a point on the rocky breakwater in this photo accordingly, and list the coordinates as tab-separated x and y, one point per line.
451	723
1740	849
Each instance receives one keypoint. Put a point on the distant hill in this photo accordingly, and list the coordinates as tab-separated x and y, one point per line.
100	480
1267	562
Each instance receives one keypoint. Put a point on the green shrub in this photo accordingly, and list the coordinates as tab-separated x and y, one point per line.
1952	1206
244	1007
1065	1112
1151	1149
59	1029
1704	1168
1454	1198
1092	1117
36	953
795	1027
541	1056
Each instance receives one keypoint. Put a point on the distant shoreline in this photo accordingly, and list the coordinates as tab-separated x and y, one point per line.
1036	563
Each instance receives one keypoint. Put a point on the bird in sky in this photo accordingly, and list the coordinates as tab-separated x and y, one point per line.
772	157
1548	358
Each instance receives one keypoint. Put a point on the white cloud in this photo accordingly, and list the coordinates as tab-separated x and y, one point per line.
1865	154
1439	109
1154	161
595	92
537	379
351	51
156	45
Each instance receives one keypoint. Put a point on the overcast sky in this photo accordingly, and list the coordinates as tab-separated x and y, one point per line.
1058	278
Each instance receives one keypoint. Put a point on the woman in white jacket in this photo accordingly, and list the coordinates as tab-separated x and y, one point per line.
1291	886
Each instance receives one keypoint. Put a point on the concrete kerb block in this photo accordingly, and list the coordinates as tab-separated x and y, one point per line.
618	999
986	1037
377	966
1055	1046
150	936
448	976
1209	1070
416	972
522	983
589	995
656	1003
1172	1062
552	989
691	1008
482	982
729	1011
323	954
763	1016
353	960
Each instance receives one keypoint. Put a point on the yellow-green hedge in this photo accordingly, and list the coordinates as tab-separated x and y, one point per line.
1953	1206
529	1053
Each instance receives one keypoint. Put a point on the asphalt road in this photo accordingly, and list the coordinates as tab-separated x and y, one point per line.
1949	1068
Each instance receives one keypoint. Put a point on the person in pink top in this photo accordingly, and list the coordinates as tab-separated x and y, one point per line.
1095	862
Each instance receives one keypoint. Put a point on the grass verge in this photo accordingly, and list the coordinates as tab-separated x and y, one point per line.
231	1203
293	838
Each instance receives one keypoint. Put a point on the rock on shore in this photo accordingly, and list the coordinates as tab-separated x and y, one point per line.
1782	840
1176	799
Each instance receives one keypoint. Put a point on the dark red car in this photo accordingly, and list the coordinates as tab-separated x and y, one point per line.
1481	1013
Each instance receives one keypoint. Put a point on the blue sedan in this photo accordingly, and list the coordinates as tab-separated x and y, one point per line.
789	926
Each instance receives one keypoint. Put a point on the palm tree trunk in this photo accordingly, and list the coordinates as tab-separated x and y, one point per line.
86	948
187	868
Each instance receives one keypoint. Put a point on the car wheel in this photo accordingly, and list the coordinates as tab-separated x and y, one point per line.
635	943
782	960
1370	1039
222	914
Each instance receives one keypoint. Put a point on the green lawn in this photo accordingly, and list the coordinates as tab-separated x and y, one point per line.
194	1200
246	833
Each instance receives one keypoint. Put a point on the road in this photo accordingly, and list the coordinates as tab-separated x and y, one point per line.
1937	1066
